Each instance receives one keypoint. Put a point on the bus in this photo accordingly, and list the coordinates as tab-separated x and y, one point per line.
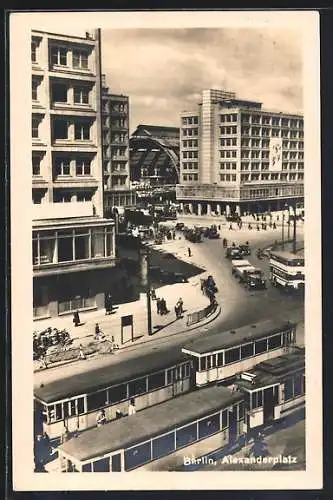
221	356
287	270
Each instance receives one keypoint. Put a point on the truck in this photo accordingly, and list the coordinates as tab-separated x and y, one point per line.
243	272
239	264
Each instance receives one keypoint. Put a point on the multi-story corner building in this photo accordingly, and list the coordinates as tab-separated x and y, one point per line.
73	246
118	194
237	157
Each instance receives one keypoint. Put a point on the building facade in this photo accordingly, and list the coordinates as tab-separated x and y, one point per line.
73	246
236	157
118	193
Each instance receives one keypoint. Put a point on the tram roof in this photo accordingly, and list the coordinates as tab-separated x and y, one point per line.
231	338
148	423
273	370
288	255
111	374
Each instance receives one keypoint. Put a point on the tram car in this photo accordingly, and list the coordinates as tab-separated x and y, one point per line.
194	424
73	403
274	388
221	356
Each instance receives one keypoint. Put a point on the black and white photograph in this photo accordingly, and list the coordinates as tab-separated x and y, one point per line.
166	250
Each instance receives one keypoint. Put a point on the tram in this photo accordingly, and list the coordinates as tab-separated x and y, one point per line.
221	356
192	425
159	437
73	403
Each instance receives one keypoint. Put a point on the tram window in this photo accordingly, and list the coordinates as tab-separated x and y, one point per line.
274	342
259	399
303	384
116	463
186	435
260	346
276	394
80	406
156	380
241	411
137	386
163	445
96	400
232	355
209	362
177	373
213	360
86	468
209	425
55	412
203	364
246	350
224	419
137	456
66	409
297	384
117	393
169	376
288	389
220	359
102	465
254	400
186	370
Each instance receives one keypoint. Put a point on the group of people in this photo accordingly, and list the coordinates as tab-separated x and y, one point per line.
161	306
101	418
209	288
47	338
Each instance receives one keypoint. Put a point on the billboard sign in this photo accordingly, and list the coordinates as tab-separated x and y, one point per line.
275	153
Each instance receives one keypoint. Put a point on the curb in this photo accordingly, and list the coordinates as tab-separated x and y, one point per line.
209	319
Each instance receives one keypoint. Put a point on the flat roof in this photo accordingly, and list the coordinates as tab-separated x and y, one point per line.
220	340
112	374
151	422
273	370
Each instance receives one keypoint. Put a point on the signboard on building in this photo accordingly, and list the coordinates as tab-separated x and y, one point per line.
275	153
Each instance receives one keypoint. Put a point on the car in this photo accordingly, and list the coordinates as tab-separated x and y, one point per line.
245	249
180	226
213	235
233	253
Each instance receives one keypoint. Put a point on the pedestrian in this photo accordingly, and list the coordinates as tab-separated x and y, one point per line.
43	360
164	309
108	304
173	235
153	294
65	435
274	225
81	353
233	244
177	311
189	252
158	305
76	318
97	331
131	407
219	227
118	414
230	227
258	227
250	227
101	418
181	303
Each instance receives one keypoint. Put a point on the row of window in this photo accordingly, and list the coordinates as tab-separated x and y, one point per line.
296	190
190	154
190	120
190	177
244	351
270	120
178	438
228	130
51	247
190	143
274	132
64	196
229	142
119	393
59	56
228	166
228	177
188	132
64	167
189	165
60	92
294	386
257	397
115	108
63	129
256	165
272	177
287	276
229	117
121	123
228	153
297	262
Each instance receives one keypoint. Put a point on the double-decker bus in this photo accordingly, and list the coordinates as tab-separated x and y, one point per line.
287	270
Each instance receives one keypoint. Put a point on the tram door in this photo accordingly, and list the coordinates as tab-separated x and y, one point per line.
116	463
268	405
232	424
177	381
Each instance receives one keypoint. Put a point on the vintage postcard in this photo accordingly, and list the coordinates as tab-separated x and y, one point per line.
166	250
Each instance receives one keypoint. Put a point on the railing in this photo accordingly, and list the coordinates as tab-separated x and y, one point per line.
198	316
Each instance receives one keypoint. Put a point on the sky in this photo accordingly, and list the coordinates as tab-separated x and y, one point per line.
163	71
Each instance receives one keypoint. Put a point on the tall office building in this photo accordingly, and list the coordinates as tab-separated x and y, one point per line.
237	157
118	194
73	246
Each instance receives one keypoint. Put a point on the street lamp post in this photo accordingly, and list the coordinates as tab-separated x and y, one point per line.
283	231
288	206
146	280
294	235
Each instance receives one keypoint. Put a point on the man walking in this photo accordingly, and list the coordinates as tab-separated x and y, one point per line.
189	252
